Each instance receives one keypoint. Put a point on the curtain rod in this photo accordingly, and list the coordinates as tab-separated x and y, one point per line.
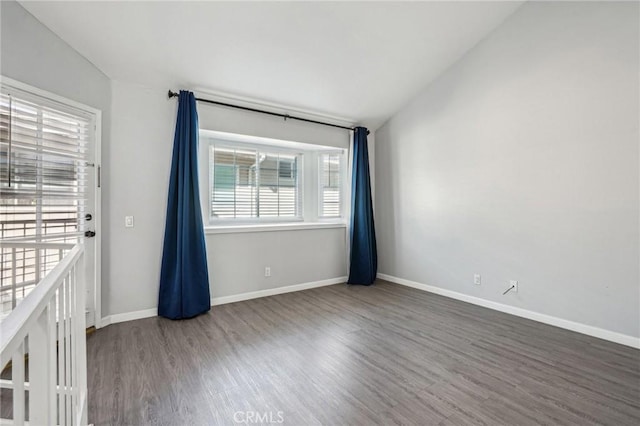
261	111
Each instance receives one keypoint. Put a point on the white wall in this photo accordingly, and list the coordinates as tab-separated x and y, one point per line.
521	162
237	261
140	154
138	127
32	54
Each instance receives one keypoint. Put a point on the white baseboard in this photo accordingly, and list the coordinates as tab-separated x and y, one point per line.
273	291
146	313
589	330
129	316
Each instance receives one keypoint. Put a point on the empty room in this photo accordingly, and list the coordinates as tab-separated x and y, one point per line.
320	213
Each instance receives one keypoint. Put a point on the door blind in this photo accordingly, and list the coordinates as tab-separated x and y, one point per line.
44	170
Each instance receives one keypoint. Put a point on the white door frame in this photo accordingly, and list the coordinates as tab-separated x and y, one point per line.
97	160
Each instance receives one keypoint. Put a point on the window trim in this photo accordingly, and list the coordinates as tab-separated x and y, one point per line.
309	183
271	227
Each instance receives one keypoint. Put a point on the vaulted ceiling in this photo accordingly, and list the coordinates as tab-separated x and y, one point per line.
360	61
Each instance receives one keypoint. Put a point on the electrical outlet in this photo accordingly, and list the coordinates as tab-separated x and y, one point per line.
514	283
267	271
128	221
477	279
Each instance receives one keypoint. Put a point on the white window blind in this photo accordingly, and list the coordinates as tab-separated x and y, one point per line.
248	183
43	177
330	174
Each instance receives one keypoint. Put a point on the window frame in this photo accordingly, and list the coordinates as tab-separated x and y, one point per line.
308	181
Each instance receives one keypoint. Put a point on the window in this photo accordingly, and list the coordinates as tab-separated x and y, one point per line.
330	171
247	179
254	183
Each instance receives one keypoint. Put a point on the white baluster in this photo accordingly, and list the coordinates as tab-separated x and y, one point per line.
73	338
81	345
61	356
17	377
51	361
38	375
67	349
13	278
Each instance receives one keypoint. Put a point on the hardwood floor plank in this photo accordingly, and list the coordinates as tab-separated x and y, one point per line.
384	354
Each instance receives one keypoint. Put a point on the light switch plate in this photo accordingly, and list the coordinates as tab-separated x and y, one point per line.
128	221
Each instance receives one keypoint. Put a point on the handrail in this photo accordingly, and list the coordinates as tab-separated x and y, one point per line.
35	245
30	238
15	327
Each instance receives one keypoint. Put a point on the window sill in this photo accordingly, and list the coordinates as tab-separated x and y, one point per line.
271	227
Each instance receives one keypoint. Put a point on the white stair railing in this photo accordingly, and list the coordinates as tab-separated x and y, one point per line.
46	332
23	263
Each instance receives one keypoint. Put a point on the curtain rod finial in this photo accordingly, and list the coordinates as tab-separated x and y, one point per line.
172	94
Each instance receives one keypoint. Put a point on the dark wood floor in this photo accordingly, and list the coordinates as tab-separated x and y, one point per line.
384	354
